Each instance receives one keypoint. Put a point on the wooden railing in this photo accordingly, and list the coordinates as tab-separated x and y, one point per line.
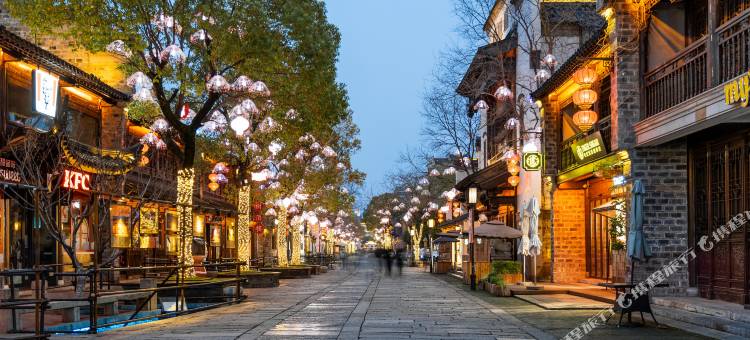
691	72
678	80
567	159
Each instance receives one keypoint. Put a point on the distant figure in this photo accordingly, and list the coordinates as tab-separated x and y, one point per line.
399	261
388	262
380	258
343	256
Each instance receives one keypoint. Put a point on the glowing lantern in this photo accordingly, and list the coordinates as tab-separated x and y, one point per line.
513	169
549	60
144	161
585	77
213	177
213	186
513	158
503	93
585	119
513	180
585	98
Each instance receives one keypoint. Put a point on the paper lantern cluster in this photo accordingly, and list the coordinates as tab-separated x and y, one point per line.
585	98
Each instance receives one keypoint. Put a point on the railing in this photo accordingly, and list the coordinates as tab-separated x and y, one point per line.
680	79
567	159
174	280
689	73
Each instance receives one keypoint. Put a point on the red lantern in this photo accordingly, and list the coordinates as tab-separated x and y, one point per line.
259	228
257	206
257	218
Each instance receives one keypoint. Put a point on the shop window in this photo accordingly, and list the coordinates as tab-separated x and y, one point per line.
231	233
121	234
82	127
148	228
172	239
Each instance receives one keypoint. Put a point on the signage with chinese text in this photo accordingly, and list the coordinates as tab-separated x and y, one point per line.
532	161
589	148
76	180
45	93
8	171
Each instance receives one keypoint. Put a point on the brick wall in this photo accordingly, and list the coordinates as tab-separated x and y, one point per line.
626	96
663	171
570	235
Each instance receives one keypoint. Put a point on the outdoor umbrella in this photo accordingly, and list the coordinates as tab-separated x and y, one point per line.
532	211
637	248
525	243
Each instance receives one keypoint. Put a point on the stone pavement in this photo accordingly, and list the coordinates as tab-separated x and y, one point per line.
357	304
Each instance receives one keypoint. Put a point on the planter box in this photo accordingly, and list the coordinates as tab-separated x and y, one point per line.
296	272
496	290
261	279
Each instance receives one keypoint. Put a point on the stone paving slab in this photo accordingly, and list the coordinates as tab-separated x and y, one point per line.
564	301
359	304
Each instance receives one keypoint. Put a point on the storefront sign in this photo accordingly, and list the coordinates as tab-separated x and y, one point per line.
76	180
532	161
8	171
45	93
737	91
589	148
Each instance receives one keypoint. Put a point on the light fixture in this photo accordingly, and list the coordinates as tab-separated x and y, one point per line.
431	223
585	77
585	119
472	197
514	169
466	241
479	240
542	75
239	124
198	226
549	60
503	93
585	98
530	146
213	186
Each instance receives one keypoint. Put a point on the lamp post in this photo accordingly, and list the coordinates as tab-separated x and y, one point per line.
430	225
472	200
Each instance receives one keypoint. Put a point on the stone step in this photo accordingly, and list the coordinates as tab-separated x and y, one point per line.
709	323
715	308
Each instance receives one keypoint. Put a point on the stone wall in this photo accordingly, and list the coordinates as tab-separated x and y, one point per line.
570	235
663	171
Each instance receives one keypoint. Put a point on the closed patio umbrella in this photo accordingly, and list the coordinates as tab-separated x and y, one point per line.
637	248
532	211
525	243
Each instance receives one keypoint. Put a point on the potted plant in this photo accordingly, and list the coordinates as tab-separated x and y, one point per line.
502	272
617	226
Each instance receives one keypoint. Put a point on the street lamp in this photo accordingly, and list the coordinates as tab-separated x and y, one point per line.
430	225
472	200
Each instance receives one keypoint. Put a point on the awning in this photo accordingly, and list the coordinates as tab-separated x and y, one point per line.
608	209
444	239
496	229
454	221
488	178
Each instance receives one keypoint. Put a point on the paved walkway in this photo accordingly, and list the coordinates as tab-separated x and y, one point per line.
360	304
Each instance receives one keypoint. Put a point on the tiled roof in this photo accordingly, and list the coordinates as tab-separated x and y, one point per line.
25	50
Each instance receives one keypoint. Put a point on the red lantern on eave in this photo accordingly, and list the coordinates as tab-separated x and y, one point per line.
257	206
257	218
259	228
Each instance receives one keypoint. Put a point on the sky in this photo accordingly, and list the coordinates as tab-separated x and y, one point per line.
388	51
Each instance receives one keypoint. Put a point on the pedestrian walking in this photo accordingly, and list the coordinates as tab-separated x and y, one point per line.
399	261
388	262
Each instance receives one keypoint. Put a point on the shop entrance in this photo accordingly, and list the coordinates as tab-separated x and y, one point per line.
598	255
719	174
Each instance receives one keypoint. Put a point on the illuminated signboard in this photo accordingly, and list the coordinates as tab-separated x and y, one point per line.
76	180
736	91
589	148
532	161
45	93
8	171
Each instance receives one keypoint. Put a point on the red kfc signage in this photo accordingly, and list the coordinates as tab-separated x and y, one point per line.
76	180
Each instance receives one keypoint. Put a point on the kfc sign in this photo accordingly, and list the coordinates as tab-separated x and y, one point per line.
76	180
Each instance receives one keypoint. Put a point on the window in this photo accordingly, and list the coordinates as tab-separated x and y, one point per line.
82	127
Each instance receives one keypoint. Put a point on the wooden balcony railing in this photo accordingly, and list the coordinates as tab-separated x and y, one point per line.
678	80
693	72
567	159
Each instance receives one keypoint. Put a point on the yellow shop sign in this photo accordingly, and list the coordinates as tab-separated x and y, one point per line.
738	90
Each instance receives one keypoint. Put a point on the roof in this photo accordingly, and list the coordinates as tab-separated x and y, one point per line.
578	59
27	51
487	178
454	221
486	68
445	239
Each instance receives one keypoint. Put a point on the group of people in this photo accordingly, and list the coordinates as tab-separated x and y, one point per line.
386	258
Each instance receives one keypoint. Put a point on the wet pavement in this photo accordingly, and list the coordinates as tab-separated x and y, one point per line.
345	304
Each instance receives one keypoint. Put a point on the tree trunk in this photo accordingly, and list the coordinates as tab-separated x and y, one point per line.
185	181
243	227
296	241
281	234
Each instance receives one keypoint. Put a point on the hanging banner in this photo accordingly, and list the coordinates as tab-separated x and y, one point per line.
45	93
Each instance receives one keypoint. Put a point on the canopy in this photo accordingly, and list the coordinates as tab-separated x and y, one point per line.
496	229
444	239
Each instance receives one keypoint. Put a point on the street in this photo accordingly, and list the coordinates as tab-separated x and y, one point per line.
364	304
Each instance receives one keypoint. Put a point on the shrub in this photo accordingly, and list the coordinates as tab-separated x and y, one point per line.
499	268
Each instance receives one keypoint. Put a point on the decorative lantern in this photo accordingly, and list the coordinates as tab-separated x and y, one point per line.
585	119
585	77
549	60
503	93
514	180
259	228
513	158
213	186
514	169
585	98
199	226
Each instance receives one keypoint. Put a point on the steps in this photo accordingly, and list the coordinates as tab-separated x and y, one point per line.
708	317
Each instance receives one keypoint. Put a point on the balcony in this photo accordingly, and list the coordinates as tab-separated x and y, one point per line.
700	67
566	157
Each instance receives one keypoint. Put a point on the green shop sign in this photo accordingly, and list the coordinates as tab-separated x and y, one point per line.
589	148
532	161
